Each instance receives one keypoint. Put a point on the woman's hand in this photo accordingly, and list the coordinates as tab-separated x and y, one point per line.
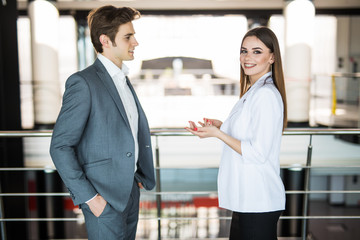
206	129
213	122
211	128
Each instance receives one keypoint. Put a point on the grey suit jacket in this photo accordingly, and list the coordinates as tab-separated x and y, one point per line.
92	145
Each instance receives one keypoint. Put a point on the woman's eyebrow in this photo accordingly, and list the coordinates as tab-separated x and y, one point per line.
255	48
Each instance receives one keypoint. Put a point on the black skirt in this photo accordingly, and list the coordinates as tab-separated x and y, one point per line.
254	226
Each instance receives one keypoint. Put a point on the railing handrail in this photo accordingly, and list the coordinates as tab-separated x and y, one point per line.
210	193
183	132
170	218
5	169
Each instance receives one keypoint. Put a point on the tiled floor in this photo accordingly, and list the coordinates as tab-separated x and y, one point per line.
333	229
318	229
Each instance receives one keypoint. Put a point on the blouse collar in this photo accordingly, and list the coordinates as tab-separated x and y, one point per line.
267	77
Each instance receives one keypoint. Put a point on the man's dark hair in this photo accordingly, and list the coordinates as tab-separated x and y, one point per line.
106	20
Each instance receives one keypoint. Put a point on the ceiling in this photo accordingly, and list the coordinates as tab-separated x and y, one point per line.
194	4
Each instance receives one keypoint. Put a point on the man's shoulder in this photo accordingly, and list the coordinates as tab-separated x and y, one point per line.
89	71
96	66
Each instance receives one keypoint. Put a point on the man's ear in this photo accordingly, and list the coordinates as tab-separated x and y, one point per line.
105	41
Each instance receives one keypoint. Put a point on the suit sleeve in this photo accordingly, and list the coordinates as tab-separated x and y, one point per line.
67	133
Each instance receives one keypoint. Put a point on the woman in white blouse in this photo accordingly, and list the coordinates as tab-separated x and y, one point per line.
249	182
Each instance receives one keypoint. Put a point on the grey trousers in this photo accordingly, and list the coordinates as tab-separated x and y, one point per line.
111	224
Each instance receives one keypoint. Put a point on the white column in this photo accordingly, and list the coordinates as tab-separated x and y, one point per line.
299	21
44	20
343	43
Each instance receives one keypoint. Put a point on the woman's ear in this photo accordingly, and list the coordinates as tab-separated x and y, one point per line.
272	59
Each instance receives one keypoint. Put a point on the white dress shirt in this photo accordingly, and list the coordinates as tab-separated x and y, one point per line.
119	77
251	182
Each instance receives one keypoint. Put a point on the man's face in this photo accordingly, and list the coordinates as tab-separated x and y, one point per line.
122	49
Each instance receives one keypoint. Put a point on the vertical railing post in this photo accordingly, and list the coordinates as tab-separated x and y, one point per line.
333	98
358	125
158	187
306	188
2	224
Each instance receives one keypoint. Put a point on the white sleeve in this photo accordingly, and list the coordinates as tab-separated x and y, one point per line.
92	198
266	121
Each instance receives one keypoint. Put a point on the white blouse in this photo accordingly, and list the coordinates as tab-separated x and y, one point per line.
251	182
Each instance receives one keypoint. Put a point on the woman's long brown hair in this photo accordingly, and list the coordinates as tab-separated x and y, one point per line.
268	37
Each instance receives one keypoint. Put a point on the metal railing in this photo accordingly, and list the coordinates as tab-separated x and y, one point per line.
336	100
157	133
334	90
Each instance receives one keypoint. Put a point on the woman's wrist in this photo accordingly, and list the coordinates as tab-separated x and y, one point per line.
220	134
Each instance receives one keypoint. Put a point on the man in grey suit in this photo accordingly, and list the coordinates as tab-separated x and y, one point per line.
101	143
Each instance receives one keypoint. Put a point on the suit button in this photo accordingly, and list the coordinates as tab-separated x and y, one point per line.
129	154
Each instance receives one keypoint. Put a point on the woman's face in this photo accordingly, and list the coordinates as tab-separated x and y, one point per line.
255	58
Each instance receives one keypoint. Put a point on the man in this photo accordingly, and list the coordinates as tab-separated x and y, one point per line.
101	143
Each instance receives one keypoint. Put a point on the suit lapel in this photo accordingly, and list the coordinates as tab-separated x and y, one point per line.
110	86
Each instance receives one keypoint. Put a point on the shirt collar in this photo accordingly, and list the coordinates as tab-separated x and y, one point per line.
112	69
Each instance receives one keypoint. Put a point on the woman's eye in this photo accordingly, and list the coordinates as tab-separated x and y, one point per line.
243	51
257	52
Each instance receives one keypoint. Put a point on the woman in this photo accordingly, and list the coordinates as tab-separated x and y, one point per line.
249	182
